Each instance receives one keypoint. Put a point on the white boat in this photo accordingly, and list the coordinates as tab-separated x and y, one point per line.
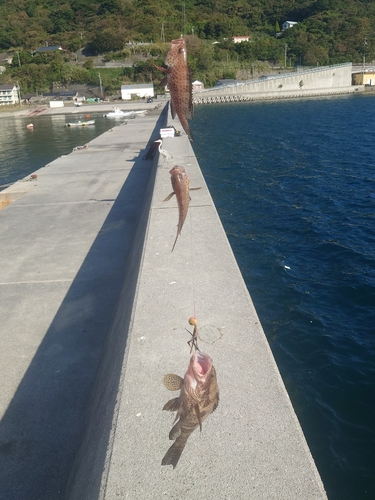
80	124
118	113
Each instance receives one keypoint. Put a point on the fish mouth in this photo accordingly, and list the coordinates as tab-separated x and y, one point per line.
202	363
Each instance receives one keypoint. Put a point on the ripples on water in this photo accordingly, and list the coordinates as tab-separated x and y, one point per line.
294	185
22	151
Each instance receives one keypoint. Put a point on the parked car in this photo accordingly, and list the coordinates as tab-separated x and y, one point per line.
150	99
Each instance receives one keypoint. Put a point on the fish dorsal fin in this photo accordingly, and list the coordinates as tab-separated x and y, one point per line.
175	431
169	196
173	382
216	404
164	81
173	110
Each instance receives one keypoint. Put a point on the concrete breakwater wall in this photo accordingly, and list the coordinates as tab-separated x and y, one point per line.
321	81
111	323
265	96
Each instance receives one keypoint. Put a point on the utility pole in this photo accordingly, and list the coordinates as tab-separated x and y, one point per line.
364	54
19	94
19	62
183	17
101	86
286	48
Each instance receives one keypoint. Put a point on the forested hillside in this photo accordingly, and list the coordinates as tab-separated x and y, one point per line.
328	32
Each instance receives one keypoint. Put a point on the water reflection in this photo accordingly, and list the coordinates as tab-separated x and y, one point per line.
24	150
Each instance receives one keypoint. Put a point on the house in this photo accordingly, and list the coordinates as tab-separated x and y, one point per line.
8	94
288	24
61	95
5	58
366	77
197	85
239	39
138	90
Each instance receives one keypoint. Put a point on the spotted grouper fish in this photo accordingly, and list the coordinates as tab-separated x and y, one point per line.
198	398
180	184
179	84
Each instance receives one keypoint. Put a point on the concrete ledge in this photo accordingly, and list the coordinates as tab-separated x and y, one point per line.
65	245
252	446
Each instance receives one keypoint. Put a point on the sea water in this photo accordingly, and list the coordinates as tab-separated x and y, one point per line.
24	150
294	185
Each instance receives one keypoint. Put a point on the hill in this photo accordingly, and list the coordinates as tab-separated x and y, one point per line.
328	32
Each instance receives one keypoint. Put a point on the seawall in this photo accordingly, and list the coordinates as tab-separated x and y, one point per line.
95	309
317	82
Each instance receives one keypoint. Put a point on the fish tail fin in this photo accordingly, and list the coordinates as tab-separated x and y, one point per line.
175	241
174	453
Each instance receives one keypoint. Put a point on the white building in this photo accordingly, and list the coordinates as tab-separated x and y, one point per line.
137	90
8	94
197	85
239	39
288	24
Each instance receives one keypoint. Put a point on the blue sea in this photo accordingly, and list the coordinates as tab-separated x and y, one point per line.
294	185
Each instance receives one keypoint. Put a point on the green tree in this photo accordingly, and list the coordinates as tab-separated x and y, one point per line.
107	41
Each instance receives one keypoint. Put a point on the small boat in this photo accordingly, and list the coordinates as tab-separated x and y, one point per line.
118	113
80	124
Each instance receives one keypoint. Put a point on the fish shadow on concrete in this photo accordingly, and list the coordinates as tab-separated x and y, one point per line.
61	413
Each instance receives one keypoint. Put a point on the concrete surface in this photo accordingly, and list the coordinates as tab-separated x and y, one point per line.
94	307
64	245
252	446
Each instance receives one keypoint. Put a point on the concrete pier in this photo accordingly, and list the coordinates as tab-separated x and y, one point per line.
94	309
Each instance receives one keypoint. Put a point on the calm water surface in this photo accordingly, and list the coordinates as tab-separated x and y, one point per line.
22	151
294	185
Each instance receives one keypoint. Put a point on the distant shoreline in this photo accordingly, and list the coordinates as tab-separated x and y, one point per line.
32	111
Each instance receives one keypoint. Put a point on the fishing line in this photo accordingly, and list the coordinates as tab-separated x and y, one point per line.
183	18
188	156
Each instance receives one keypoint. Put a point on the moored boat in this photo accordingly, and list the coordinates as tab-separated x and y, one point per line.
118	113
80	124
